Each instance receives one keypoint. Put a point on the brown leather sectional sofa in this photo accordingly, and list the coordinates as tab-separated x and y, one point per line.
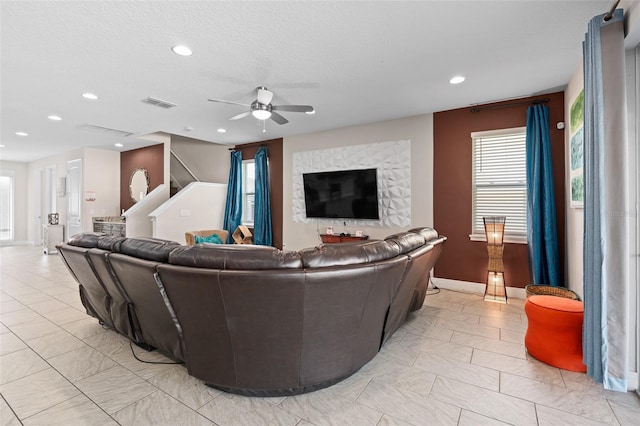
255	320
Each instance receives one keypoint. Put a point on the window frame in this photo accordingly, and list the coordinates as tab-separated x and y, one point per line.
245	220
9	205
476	235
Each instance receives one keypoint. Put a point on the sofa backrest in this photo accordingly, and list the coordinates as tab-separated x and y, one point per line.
240	328
406	241
122	312
148	248
345	309
94	295
86	239
355	253
422	285
234	257
280	328
137	277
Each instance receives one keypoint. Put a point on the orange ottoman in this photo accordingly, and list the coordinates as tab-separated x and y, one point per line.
554	333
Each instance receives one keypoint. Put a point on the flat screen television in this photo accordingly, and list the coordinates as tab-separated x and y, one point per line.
344	194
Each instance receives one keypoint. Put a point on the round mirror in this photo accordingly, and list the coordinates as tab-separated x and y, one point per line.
139	184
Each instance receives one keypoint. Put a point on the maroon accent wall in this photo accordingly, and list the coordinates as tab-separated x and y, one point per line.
274	148
463	259
150	158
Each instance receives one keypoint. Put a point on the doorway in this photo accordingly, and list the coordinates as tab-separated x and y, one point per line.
74	191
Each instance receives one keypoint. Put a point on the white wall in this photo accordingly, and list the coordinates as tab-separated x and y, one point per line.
20	199
199	206
100	173
575	216
138	222
208	161
418	129
33	210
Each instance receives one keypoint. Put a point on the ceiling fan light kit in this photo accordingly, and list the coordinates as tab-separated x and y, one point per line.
262	109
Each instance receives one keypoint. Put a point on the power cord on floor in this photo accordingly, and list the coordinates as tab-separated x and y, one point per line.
432	288
149	362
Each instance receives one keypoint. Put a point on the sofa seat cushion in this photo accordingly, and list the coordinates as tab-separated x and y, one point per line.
236	257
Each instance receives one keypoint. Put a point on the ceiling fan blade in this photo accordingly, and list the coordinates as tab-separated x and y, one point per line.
278	118
264	96
292	108
241	115
228	102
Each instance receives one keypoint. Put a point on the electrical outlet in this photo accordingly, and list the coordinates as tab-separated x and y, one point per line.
185	213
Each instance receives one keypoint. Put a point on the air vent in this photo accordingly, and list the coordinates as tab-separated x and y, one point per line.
158	102
99	129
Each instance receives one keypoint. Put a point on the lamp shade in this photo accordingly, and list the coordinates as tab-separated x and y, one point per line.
496	290
494	229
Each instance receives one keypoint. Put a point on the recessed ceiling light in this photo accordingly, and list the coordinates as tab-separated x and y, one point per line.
89	96
222	130
54	118
457	79
1	146
313	111
181	50
22	133
119	145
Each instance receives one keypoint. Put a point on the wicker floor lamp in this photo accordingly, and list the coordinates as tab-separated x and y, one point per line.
494	231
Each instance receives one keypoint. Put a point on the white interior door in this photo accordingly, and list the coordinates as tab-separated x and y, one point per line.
49	193
74	191
36	220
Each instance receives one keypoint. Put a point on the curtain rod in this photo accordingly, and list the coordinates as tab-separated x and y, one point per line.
251	145
612	9
536	102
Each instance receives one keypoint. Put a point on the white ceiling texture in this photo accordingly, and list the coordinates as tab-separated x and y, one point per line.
355	62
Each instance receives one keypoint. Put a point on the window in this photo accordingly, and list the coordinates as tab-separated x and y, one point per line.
6	205
248	191
500	181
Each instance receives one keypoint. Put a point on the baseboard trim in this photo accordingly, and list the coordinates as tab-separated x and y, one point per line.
16	243
476	288
633	382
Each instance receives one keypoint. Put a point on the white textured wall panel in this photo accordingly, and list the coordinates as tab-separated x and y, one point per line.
393	161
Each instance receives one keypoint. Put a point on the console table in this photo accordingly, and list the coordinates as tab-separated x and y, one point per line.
337	238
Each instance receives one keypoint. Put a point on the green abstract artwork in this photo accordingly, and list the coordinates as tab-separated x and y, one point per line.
577	189
577	112
576	155
577	142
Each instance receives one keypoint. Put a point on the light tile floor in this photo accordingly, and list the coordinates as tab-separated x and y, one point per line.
457	361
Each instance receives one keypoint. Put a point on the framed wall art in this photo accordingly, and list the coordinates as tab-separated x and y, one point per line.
576	156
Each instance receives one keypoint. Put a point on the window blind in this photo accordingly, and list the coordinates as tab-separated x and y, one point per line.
499	179
248	191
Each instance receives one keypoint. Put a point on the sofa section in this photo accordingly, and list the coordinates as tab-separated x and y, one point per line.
256	320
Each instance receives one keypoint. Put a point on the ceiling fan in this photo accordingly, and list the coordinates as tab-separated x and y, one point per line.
262	108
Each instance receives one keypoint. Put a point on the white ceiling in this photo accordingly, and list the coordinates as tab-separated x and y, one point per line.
355	61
